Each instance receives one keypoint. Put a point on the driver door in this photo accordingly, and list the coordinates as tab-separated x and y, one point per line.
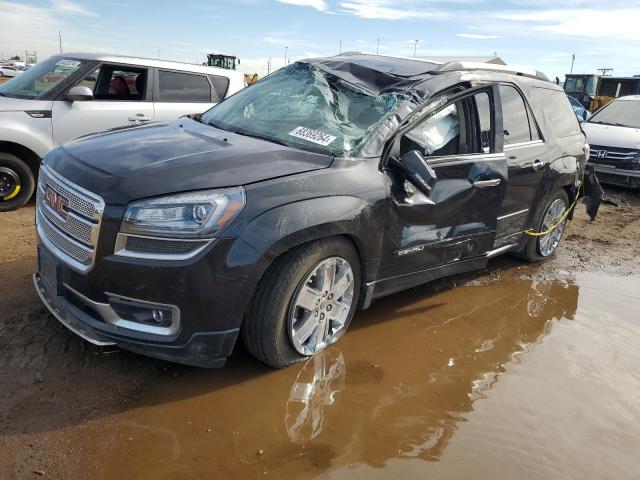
455	222
121	97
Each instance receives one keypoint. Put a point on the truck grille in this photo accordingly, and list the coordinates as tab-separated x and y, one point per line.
611	155
68	219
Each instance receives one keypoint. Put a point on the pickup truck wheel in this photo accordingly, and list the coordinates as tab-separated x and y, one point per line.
16	182
304	302
539	248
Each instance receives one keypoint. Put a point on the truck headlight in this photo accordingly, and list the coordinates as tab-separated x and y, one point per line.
194	215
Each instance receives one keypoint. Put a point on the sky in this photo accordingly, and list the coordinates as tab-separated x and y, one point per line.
541	35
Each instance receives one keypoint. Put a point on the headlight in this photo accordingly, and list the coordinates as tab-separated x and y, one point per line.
194	215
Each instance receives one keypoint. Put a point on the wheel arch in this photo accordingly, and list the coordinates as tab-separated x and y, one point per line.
25	154
276	232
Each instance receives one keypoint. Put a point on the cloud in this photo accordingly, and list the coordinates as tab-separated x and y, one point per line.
71	8
477	36
610	23
389	10
30	27
320	5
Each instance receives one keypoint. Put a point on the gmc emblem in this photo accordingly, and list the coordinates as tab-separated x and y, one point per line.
602	154
57	202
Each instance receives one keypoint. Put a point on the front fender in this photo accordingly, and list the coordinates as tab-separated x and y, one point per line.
32	133
287	226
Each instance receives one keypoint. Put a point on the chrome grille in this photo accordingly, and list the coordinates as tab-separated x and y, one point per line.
72	235
599	153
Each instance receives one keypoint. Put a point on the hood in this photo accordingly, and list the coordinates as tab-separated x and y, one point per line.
9	104
125	164
611	135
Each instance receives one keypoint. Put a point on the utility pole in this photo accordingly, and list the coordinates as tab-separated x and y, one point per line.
573	60
415	47
378	47
605	71
60	40
340	46
285	55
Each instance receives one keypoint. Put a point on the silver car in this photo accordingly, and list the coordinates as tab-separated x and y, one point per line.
68	96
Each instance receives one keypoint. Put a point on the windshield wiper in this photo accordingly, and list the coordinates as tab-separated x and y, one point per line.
215	124
613	124
261	137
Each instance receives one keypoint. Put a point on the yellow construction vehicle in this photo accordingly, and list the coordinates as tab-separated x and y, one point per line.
229	62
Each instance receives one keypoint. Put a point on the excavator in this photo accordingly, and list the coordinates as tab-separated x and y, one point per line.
229	62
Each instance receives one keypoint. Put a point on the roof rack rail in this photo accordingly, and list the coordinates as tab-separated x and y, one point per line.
523	72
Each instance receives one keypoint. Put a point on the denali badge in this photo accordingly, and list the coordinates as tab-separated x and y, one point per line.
57	202
409	251
602	154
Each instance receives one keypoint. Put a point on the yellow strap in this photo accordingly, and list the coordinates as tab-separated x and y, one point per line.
564	216
15	192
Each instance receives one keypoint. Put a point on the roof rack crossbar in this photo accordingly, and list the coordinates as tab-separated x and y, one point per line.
524	72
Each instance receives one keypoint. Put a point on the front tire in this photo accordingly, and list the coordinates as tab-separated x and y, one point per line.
17	182
540	248
304	302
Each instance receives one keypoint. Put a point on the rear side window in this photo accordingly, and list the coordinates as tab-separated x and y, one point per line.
183	87
558	110
515	117
220	86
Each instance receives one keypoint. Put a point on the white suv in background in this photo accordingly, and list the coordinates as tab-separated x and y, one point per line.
67	96
613	133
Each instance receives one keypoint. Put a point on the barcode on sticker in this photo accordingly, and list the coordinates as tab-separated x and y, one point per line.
314	136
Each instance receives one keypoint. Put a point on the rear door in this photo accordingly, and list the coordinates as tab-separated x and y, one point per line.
526	156
457	221
121	96
181	93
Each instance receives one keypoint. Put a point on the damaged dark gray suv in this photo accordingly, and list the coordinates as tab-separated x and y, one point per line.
276	214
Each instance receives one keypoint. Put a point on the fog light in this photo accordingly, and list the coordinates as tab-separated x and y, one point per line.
158	316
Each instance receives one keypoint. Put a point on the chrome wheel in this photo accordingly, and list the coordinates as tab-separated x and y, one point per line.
321	305
548	243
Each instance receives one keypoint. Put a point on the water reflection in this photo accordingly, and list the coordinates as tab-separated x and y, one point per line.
397	386
314	390
423	370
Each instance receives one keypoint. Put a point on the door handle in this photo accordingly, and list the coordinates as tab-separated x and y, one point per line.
494	182
538	165
140	117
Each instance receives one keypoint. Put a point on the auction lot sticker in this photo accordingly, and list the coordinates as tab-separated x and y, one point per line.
314	136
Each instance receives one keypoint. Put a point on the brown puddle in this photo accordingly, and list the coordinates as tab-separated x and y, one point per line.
522	378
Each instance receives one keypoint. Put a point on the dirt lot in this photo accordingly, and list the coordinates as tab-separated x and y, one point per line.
517	371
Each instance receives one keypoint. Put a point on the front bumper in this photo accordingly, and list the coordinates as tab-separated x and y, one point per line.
206	349
617	176
206	296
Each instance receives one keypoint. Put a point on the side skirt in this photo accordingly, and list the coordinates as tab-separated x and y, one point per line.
388	286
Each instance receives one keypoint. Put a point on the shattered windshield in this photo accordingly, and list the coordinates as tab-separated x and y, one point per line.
303	107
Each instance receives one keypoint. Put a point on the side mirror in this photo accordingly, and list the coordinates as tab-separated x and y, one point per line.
418	171
79	94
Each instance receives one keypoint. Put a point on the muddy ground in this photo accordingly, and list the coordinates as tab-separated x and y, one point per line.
517	371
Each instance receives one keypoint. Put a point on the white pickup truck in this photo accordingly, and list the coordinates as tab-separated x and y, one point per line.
67	96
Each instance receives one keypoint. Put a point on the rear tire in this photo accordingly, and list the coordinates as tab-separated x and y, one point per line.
538	249
17	182
269	330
